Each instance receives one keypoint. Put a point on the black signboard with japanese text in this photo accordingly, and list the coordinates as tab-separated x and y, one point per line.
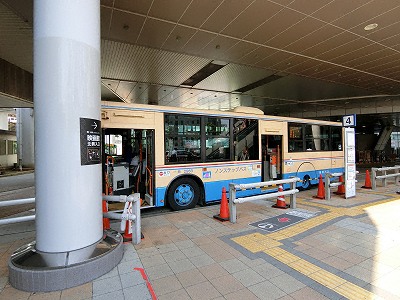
90	141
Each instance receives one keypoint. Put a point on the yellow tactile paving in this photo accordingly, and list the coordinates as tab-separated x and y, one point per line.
323	277
270	244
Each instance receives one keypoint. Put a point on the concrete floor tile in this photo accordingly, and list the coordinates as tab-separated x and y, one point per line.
202	291
213	271
116	295
131	279
151	261
77	293
227	284
233	265
268	271
180	294
193	251
166	285
175	255
136	292
11	293
266	291
287	283
184	244
202	260
159	271
106	285
241	295
45	296
307	293
248	277
191	277
181	266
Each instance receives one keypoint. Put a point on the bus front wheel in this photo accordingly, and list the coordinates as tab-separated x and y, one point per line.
183	193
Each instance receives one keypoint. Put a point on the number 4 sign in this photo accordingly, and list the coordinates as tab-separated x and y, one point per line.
349	121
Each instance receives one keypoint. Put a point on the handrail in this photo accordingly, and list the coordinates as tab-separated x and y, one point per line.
240	187
7	203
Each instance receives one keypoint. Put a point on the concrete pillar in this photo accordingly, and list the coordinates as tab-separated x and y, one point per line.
25	137
66	92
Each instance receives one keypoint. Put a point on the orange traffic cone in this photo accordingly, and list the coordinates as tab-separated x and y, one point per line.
340	188
127	236
367	184
280	201
224	209
321	189
106	221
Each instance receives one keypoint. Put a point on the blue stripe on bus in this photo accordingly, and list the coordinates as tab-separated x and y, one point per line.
213	190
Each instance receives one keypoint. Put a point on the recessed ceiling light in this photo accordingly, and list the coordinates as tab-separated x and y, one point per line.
370	26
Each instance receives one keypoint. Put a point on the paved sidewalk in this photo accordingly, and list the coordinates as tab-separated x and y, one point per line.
346	249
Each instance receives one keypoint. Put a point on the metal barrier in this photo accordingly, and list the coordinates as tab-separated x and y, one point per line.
384	175
329	184
126	215
134	216
13	220
235	187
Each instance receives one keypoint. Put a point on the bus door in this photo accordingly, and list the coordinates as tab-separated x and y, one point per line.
271	157
129	163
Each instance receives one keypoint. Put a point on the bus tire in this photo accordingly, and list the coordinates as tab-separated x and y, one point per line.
183	193
305	183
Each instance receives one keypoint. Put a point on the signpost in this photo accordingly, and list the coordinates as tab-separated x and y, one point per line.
350	155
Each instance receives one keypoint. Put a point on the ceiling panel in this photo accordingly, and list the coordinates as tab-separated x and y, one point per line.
280	22
224	14
368	13
178	37
137	6
335	53
238	50
216	48
125	26
198	41
329	43
257	13
338	9
198	11
170	10
257	56
295	32
154	33
308	6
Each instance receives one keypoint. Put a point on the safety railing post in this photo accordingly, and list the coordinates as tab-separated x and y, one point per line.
384	181
327	186
136	225
373	178
293	196
232	205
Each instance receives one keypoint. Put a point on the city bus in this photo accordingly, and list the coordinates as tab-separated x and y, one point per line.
180	157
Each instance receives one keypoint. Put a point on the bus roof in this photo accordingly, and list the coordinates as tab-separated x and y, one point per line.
240	112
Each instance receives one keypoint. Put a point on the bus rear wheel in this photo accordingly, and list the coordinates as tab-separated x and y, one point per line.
183	193
305	183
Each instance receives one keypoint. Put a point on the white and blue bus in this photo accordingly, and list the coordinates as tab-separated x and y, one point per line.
181	157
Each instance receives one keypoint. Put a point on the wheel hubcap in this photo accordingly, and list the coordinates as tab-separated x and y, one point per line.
183	195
